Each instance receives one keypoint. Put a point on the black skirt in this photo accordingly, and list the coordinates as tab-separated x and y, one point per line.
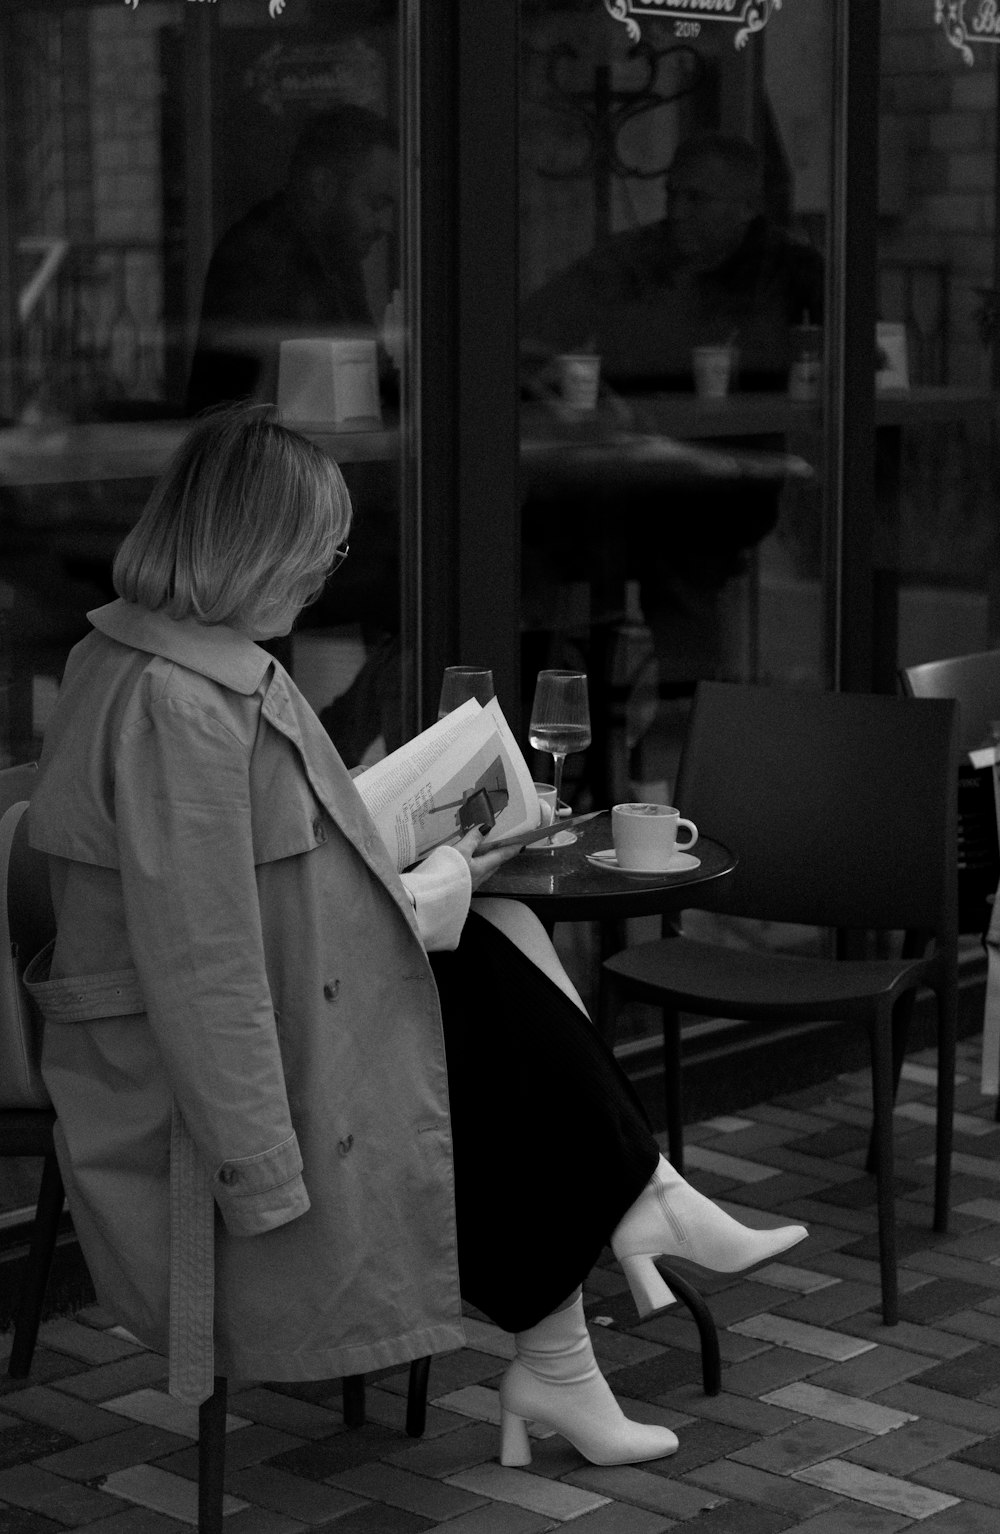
552	1144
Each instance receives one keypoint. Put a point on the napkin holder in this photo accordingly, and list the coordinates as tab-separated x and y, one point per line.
329	383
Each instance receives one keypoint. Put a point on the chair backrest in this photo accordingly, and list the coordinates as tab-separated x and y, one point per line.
26	924
974	680
840	806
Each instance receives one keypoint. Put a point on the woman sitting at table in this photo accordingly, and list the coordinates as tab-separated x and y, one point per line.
244	1035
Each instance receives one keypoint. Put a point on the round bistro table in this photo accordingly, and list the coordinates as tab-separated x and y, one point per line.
561	885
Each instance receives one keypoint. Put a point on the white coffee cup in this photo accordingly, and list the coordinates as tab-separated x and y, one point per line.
713	369
546	803
645	836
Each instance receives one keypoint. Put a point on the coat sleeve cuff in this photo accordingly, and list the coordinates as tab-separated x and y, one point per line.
440	888
257	1193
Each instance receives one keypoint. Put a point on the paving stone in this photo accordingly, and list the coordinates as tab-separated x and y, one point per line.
735	1410
75	1418
629	1483
734	1169
768	1371
676	1329
102	1456
960	1480
854	1518
985	1452
914	1396
747	1484
742	1518
501	1518
915	1445
556	1499
66	1502
673	1367
700	1443
285	1413
820	1341
890	1492
836	1140
966	1518
780	1275
875	1371
833	1304
30	1440
804	1444
401	1488
94	1347
254	1520
973	1324
329	1456
308	1501
378	1518
782	1191
621	1518
116	1379
143	1520
965	1376
834	1406
912	1339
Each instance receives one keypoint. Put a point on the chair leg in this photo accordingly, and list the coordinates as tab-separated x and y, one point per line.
673	1088
212	1458
416	1397
36	1276
882	1096
902	1016
711	1363
353	1393
947	1007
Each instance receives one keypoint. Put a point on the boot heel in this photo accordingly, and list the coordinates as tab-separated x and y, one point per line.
646	1282
515	1448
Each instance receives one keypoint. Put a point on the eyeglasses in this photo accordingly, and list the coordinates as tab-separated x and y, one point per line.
339	555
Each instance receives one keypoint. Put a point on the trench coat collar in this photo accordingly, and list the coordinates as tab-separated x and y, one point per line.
213	649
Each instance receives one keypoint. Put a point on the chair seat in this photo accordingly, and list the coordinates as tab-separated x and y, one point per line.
748	984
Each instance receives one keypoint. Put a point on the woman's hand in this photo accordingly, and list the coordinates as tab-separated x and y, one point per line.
482	865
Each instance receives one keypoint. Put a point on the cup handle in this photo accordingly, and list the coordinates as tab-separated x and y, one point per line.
546	813
694	833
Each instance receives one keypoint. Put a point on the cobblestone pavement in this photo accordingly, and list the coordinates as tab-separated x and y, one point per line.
827	1423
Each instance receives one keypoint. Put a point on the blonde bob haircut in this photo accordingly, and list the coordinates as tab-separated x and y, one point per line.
242	526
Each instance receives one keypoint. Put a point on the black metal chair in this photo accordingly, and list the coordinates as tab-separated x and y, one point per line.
841	808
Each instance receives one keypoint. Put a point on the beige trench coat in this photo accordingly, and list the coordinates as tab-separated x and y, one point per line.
237	958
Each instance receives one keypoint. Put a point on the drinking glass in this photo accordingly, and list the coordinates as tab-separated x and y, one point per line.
463	682
560	717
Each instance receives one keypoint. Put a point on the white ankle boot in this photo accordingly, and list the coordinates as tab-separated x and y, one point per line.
673	1220
555	1381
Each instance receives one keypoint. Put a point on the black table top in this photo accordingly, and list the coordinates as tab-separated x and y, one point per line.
562	885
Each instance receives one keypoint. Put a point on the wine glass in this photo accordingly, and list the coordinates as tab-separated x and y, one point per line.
463	682
560	717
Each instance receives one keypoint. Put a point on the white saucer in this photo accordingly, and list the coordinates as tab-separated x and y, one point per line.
559	839
680	863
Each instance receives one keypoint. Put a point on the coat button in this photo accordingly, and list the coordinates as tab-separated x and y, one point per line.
319	830
331	989
344	1145
228	1175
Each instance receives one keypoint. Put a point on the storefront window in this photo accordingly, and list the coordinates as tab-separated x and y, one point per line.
189	189
675	209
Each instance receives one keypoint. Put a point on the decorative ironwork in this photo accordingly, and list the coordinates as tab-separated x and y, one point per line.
968	21
748	16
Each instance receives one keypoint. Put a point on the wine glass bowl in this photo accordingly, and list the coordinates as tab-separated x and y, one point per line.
463	682
560	717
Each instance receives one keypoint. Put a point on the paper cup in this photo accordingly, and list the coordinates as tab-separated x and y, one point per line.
713	369
579	379
329	382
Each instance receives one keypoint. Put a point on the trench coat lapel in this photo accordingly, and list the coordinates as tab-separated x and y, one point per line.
233	660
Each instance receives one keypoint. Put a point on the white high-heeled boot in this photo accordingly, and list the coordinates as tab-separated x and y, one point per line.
555	1381
673	1220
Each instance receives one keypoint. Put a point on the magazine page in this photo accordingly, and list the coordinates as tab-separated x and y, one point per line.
429	792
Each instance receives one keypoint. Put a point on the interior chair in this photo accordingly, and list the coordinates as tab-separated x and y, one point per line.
841	810
26	1121
974	680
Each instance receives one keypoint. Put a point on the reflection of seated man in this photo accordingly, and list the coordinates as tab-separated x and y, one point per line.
712	270
293	266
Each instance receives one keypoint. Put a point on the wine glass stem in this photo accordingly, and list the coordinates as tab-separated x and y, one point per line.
558	758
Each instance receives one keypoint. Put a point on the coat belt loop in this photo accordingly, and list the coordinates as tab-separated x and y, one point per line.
192	1269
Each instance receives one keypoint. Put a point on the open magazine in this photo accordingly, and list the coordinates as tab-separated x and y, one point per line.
467	770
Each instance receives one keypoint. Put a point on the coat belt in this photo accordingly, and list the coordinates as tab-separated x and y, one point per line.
116	993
